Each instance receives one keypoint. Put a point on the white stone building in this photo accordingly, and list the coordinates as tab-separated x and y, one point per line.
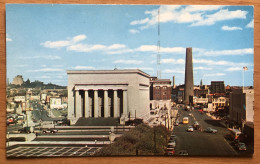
108	93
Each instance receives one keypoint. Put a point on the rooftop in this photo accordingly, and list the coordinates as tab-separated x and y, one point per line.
115	71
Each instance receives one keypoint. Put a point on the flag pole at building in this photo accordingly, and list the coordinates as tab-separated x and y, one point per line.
244	69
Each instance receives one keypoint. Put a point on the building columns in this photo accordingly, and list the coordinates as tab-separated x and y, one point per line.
96	111
106	110
78	104
116	112
125	103
87	111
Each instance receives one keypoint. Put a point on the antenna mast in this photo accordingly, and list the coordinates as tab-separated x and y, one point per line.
158	48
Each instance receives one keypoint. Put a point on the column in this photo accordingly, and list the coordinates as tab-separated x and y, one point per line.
116	112
87	111
78	104
125	103
106	111
96	103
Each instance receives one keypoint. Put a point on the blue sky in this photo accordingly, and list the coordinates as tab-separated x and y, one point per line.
43	41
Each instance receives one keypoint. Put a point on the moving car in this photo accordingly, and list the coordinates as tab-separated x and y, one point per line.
210	130
50	131
195	124
190	129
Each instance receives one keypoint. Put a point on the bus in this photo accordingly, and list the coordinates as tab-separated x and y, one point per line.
185	120
235	133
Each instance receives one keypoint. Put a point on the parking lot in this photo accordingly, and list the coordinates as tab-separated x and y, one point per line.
50	151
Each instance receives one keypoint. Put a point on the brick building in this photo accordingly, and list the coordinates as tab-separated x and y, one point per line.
160	93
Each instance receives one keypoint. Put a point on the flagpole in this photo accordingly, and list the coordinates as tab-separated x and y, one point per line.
243	78
244	69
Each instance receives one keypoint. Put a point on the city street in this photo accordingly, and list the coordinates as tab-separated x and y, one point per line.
201	143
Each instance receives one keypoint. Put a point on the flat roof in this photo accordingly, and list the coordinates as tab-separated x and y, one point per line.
115	71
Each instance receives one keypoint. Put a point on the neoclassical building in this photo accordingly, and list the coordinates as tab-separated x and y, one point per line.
108	93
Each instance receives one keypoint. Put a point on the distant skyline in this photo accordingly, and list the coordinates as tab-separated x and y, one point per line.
45	40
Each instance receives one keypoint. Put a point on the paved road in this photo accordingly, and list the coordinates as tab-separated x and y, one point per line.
201	143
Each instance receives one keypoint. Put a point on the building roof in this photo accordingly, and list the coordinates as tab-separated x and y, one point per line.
161	80
115	71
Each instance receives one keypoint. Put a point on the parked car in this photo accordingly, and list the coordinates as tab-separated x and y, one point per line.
172	143
24	130
173	136
210	130
241	146
190	129
182	152
50	131
170	151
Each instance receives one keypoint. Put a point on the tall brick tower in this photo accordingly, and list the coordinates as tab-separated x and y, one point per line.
188	90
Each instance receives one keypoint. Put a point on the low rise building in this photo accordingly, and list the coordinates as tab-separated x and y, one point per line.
108	93
241	109
160	93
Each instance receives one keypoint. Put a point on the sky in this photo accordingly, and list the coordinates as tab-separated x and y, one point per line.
44	41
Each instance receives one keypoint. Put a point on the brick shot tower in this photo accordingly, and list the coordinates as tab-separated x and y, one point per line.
188	90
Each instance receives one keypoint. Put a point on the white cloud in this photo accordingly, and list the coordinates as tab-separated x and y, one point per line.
173	61
116	46
133	31
221	15
46	70
167	61
154	48
193	8
235	69
44	77
221	62
173	71
79	38
142	21
21	66
64	43
83	67
56	44
85	47
202	68
227	28
128	61
250	24
181	61
8	39
197	15
49	57
214	74
120	51
230	52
